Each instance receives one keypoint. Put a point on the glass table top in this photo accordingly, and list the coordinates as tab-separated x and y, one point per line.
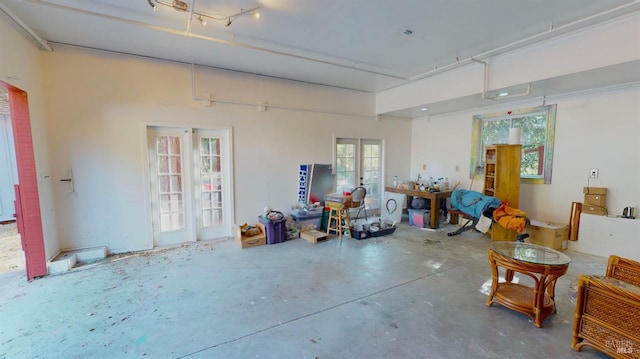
528	252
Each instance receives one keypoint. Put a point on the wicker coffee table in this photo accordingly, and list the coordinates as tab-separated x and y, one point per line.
543	264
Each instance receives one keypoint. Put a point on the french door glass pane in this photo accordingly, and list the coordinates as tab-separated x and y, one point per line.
175	145
163	164
175	164
206	200
163	182
371	173
169	176
204	146
163	145
345	166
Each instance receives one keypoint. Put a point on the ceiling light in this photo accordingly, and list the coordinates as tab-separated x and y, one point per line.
510	92
180	5
423	109
203	17
183	6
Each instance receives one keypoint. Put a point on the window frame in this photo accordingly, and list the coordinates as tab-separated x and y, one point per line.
372	200
476	140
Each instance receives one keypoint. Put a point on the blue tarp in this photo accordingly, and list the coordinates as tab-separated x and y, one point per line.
472	203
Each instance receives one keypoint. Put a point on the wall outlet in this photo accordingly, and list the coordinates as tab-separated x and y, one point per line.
593	173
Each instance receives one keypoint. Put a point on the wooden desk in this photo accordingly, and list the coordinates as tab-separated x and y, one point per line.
433	197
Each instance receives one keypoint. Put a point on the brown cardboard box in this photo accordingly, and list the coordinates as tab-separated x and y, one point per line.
250	241
552	235
597	210
595	200
594	190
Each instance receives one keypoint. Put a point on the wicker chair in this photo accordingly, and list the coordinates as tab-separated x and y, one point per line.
607	315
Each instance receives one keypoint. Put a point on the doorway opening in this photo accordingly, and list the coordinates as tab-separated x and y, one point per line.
11	253
26	209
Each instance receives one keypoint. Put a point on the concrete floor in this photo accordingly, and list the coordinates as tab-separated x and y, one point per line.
11	254
413	294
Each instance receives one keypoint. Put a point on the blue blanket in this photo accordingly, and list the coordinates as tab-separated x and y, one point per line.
472	203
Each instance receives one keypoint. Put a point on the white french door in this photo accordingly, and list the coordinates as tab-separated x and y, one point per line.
189	183
212	184
359	163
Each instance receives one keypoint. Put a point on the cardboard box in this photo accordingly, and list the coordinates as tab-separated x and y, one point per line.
250	241
597	210
594	190
552	235
595	200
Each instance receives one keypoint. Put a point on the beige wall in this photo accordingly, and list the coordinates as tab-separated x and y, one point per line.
98	104
600	129
597	128
21	66
89	115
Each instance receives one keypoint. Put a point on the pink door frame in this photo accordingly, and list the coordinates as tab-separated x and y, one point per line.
28	209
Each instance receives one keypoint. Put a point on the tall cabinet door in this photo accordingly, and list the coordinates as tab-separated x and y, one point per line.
502	180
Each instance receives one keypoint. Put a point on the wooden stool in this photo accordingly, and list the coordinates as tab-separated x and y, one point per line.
340	214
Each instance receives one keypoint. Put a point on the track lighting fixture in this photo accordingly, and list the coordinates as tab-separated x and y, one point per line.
183	6
180	5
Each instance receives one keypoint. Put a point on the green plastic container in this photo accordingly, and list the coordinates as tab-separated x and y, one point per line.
325	219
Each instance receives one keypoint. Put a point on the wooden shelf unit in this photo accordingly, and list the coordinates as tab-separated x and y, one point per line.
502	180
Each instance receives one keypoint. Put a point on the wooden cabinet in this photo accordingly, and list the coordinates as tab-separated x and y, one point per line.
502	180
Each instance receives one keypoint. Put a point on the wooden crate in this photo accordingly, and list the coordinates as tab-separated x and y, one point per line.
314	236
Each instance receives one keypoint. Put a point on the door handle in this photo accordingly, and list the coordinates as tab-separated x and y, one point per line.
69	180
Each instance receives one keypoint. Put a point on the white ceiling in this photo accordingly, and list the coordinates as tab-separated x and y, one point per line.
355	44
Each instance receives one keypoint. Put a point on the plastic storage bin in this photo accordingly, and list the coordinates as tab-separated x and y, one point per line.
417	217
308	222
325	219
276	230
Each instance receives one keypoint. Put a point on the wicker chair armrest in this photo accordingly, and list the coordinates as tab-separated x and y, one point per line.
624	269
628	291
